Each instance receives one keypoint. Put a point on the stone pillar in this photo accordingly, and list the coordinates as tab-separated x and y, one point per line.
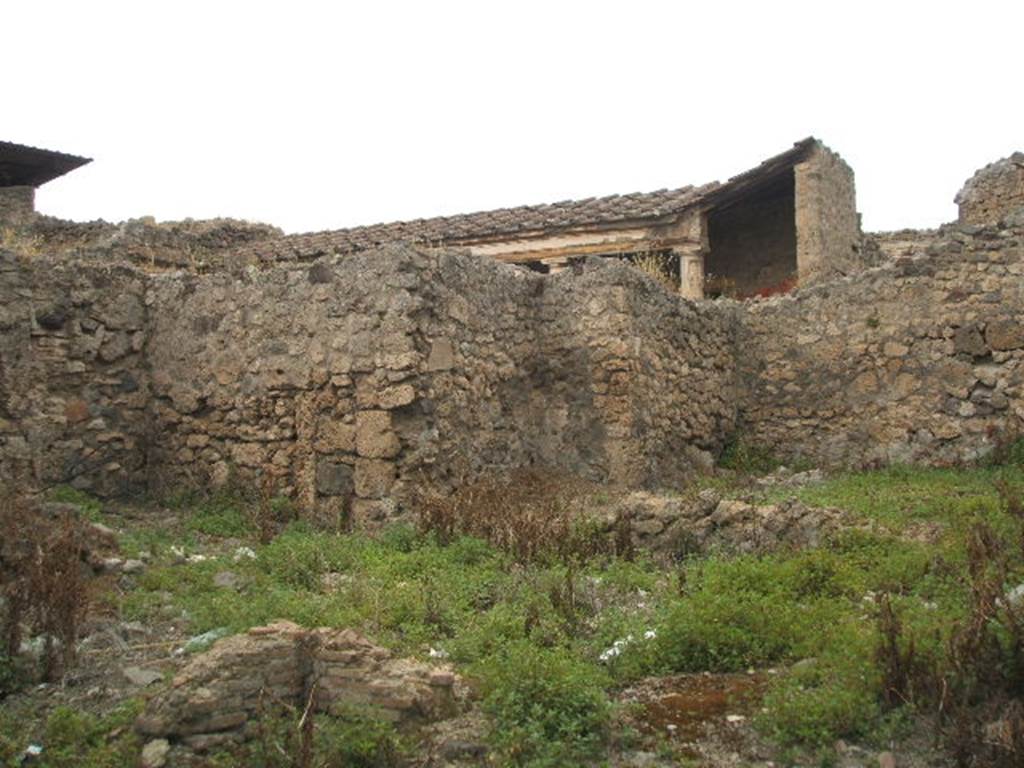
17	205
691	274
693	230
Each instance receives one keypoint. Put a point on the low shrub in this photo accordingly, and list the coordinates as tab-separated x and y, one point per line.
548	707
820	702
742	456
529	514
42	582
728	632
289	737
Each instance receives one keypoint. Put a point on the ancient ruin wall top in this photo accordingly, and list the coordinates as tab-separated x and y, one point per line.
994	193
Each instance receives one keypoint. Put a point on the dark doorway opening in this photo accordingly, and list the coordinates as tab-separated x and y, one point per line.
752	240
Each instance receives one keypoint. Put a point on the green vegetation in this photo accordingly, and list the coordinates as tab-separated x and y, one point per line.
549	706
223	516
75	739
354	739
89	506
860	632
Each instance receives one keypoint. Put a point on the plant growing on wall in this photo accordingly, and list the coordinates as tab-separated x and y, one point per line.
658	263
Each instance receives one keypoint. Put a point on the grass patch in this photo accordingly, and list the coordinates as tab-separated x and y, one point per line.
90	507
222	517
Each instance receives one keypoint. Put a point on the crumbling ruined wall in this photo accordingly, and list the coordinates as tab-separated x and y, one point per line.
600	372
291	372
657	376
73	383
354	380
994	193
879	247
199	246
921	359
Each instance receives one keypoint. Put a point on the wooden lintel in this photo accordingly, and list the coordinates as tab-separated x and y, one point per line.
584	249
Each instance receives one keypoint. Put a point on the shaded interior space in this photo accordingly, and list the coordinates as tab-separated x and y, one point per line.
752	240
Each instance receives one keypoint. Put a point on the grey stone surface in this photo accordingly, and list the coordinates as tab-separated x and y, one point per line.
154	754
141	677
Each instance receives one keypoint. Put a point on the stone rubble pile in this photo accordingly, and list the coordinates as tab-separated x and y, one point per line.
680	526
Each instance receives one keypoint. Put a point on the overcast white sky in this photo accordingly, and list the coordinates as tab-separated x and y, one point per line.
318	115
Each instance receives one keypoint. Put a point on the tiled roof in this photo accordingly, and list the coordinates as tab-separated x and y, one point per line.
513	222
22	165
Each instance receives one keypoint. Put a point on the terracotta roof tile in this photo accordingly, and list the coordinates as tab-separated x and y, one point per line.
468	227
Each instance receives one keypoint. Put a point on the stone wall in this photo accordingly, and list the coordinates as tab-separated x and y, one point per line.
73	382
921	359
353	380
994	193
879	247
17	205
199	246
827	223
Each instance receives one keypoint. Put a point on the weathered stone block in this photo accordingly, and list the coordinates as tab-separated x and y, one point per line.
373	478
1005	334
76	410
334	478
375	438
206	705
334	435
442	355
396	397
967	340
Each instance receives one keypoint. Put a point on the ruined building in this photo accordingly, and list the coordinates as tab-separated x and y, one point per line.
759	232
352	369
